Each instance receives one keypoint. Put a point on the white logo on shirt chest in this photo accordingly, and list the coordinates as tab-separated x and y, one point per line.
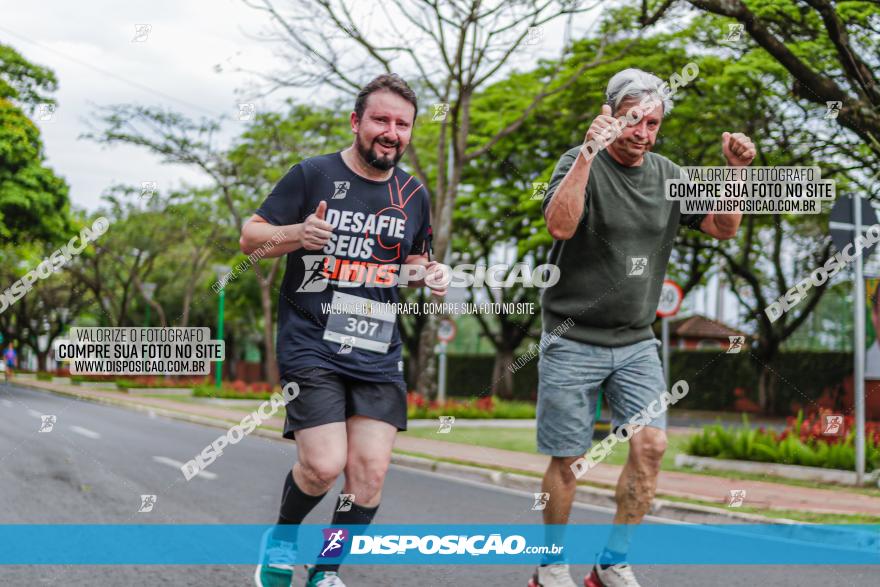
341	189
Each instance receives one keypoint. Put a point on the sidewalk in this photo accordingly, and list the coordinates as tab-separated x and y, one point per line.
702	487
674	484
518	423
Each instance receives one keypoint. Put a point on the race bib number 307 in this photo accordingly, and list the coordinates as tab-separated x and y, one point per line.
361	323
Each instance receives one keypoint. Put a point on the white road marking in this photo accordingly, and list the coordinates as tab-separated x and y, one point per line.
6	403
85	432
177	465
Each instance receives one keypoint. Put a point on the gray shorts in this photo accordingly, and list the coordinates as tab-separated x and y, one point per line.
570	374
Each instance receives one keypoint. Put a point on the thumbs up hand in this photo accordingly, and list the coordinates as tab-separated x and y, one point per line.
604	128
316	231
437	278
321	210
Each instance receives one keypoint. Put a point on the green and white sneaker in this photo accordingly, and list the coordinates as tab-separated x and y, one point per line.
324	579
277	558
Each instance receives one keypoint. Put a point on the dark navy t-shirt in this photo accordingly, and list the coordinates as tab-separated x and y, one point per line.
377	224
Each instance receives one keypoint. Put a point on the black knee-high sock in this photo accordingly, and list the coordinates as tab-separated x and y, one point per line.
358	515
295	506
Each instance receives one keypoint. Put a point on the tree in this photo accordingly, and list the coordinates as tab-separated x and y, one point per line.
46	314
830	50
39	316
33	200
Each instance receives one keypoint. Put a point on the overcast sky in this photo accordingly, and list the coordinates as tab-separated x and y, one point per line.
91	48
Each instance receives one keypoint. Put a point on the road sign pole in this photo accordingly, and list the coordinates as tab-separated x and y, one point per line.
441	376
664	333
671	296
859	354
218	376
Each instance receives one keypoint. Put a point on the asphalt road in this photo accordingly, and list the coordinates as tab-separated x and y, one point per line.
97	461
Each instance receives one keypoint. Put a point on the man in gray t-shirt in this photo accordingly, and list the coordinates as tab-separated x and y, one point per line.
613	231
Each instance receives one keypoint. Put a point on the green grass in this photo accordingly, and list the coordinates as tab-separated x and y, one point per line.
178	398
518	439
209	390
523	440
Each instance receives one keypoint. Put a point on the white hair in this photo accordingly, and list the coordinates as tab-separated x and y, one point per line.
635	83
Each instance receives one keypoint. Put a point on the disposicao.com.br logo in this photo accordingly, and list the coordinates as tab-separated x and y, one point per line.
450	544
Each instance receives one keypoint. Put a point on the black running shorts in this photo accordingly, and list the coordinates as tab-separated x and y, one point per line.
325	396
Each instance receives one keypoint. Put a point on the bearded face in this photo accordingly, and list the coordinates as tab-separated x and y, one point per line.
382	152
384	130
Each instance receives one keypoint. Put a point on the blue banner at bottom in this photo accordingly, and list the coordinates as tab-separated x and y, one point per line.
438	544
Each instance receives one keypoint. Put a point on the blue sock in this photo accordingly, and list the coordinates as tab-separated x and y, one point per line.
358	515
609	558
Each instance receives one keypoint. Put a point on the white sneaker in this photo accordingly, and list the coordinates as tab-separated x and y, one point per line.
325	579
619	575
555	575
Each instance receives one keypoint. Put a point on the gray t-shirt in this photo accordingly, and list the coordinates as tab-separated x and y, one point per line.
612	269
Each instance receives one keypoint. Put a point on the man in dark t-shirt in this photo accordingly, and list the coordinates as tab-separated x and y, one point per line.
353	225
374	226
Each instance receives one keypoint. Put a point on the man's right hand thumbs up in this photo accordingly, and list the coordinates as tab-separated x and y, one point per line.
321	210
317	231
604	128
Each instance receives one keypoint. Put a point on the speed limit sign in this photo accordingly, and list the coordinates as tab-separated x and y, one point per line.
446	331
671	297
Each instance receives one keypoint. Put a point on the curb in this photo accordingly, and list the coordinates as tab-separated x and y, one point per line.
797	472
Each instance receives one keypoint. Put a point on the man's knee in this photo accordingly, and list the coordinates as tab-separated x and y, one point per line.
323	471
564	469
366	476
647	447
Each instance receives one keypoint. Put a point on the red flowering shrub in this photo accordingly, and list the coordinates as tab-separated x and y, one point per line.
481	407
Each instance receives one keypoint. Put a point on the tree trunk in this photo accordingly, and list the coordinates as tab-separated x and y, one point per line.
768	380
271	361
161	312
767	383
187	301
412	372
229	361
426	383
41	359
411	340
502	377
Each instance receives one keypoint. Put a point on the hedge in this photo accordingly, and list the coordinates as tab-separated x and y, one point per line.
801	443
712	375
